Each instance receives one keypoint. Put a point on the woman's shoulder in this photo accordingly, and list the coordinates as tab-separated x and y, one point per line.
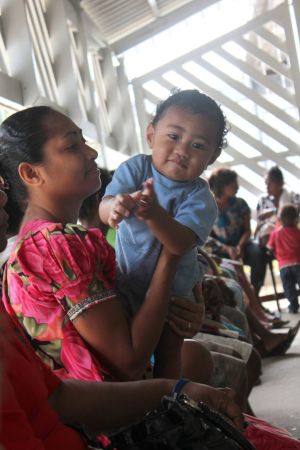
58	240
33	226
52	229
54	251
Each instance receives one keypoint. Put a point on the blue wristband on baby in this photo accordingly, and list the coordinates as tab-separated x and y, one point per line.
179	386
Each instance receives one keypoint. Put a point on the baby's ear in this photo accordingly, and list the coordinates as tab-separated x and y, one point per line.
214	156
150	134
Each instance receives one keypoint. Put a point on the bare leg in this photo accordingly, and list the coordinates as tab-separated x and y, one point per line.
253	367
230	371
269	340
250	292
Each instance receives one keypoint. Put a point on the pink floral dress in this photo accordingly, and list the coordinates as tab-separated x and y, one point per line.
54	273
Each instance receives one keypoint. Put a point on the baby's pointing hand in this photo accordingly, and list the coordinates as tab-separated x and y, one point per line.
148	201
122	207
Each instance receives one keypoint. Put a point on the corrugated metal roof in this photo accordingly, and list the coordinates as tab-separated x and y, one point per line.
124	23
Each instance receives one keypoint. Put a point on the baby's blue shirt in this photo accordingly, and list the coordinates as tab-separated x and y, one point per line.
191	203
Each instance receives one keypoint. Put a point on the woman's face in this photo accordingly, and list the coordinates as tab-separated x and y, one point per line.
68	168
230	189
274	187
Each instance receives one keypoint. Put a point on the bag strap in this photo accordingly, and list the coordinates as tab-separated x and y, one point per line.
222	423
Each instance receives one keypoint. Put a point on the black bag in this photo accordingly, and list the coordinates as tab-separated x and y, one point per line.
181	424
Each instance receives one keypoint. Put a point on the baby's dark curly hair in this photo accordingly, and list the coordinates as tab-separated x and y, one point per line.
198	103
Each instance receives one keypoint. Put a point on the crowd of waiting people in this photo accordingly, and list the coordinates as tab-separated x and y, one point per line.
84	325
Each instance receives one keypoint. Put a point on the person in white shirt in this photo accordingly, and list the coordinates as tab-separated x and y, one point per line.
269	204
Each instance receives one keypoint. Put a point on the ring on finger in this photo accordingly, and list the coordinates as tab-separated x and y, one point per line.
189	325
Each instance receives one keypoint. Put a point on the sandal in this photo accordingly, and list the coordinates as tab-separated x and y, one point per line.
279	323
281	348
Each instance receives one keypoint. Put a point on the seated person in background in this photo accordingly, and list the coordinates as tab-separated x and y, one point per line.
176	208
284	241
232	226
264	340
269	204
59	280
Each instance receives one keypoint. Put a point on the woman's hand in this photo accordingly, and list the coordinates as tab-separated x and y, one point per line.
239	252
186	317
232	252
222	400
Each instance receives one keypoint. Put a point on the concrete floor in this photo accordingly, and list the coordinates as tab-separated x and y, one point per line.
277	399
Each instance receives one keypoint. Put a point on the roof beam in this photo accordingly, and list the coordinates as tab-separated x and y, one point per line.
160	24
154	8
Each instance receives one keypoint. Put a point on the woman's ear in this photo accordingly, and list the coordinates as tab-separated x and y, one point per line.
150	134
30	174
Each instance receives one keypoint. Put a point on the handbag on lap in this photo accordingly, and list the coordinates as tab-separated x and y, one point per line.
181	424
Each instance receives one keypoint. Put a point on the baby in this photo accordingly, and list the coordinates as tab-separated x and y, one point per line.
160	199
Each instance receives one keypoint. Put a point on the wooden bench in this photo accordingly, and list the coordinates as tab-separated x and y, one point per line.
271	297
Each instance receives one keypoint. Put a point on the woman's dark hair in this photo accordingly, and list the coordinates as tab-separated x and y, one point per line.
198	103
276	175
22	137
221	177
289	215
15	211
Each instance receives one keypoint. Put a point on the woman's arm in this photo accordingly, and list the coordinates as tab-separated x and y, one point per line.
108	406
228	250
125	347
266	214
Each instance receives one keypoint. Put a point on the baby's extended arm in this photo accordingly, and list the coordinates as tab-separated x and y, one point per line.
177	238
